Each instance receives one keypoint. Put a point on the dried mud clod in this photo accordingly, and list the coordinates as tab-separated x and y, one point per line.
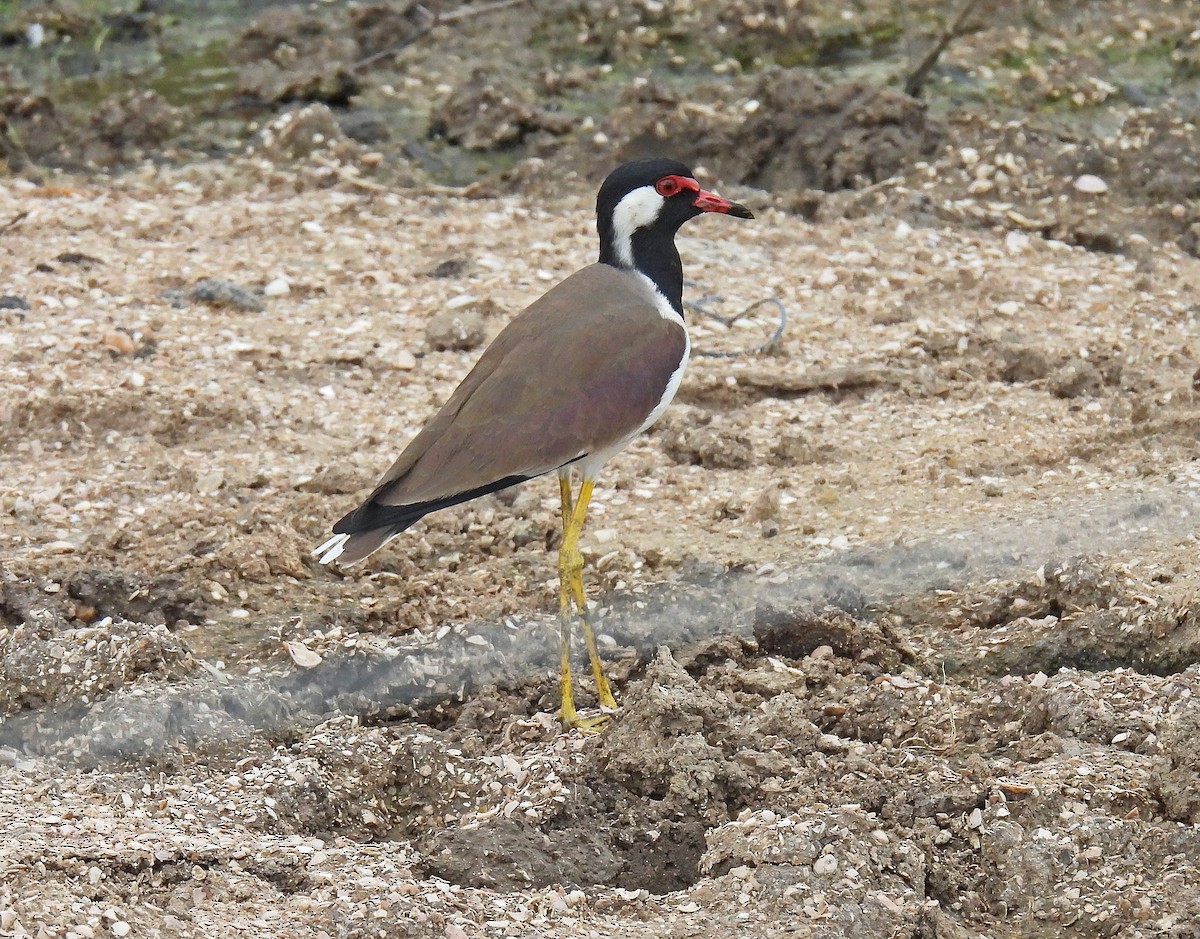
802	133
708	447
832	137
795	632
85	595
644	797
302	131
290	55
490	113
163	600
1073	614
1176	773
121	129
812	849
457	330
127	127
49	663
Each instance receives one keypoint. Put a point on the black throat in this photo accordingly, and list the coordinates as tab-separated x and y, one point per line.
654	254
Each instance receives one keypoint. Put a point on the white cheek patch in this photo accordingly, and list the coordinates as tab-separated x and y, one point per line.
636	210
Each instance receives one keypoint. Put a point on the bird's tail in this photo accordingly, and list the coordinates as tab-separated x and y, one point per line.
373	524
347	549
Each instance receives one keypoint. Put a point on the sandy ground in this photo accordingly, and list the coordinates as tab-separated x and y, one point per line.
902	612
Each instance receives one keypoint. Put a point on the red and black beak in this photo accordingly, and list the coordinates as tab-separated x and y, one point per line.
710	202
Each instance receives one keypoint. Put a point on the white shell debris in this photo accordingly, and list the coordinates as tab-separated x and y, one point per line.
302	655
1091	185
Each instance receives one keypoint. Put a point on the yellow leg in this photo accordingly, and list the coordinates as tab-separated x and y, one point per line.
570	588
564	495
578	516
567	713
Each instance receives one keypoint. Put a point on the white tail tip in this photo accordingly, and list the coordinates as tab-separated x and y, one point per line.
331	549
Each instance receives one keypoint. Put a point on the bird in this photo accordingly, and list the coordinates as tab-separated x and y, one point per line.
564	387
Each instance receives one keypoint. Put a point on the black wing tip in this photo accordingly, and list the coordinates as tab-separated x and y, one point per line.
372	515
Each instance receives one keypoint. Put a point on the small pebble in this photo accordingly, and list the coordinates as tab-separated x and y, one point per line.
119	341
1016	241
405	361
302	655
210	482
825	864
456	330
224	293
1091	185
277	287
451	267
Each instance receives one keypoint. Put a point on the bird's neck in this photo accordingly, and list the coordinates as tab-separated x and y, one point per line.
652	252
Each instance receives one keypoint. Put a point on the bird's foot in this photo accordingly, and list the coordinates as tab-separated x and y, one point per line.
572	720
589	725
586	725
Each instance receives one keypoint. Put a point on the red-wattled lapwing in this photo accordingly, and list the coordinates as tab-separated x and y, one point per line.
565	386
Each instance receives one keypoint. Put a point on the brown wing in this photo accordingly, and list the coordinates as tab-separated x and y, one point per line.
576	372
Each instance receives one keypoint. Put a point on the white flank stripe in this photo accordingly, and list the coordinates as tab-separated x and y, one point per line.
591	465
672	386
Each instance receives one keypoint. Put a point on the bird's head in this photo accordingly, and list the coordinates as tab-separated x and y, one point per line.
652	198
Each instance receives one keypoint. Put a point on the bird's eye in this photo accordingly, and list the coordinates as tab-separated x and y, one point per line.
667	186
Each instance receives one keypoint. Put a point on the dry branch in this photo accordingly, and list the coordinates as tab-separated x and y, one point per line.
432	19
916	79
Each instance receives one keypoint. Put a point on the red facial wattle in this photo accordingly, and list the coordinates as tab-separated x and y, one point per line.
671	186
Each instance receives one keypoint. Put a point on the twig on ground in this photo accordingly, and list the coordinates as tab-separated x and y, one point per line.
431	20
469	191
865	375
729	321
481	9
14	221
